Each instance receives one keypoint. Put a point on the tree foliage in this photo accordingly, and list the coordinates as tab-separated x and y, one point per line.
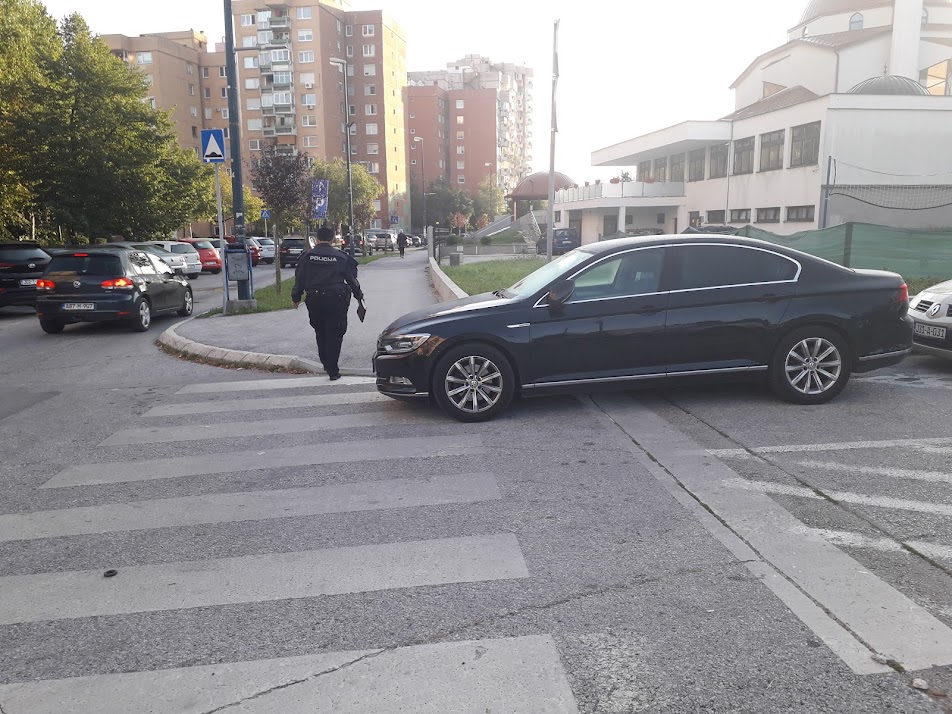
366	191
81	149
446	202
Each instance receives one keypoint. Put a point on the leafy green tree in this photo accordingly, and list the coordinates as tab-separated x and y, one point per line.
446	202
284	183
207	209
366	190
489	198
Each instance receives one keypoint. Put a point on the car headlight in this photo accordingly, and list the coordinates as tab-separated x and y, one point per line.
402	344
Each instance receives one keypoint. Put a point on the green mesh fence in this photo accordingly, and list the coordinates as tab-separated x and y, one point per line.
912	254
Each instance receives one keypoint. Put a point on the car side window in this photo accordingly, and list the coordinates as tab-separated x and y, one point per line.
710	266
142	264
160	266
636	272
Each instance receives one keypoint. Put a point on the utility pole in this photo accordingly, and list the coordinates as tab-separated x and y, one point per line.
550	229
342	64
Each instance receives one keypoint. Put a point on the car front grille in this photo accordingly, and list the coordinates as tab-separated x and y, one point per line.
923	306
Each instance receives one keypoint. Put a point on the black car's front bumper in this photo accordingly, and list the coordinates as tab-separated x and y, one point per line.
402	376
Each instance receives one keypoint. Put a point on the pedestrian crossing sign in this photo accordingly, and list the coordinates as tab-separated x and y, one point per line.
213	146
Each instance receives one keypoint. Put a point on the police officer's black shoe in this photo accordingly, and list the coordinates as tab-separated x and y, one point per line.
335	377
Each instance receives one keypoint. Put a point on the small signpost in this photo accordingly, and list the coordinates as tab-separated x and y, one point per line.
213	152
394	220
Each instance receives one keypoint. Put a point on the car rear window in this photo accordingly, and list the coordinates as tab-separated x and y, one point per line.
26	252
183	248
91	264
203	245
265	241
294	242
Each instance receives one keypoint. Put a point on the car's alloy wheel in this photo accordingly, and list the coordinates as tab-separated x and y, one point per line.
188	305
473	382
143	316
811	365
51	327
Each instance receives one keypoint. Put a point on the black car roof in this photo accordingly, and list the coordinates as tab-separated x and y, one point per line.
692	239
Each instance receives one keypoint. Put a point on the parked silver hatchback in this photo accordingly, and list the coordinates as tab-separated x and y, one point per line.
932	311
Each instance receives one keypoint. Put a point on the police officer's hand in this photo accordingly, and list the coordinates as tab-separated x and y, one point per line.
296	305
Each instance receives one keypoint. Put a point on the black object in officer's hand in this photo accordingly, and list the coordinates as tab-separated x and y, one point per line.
361	311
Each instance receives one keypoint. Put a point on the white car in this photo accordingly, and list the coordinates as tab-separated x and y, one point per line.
932	311
192	259
175	261
267	249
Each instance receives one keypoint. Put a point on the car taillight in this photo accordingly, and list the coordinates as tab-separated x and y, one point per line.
117	284
42	284
4	266
903	296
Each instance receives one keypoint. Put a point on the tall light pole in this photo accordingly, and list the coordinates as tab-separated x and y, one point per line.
423	174
350	178
234	134
492	193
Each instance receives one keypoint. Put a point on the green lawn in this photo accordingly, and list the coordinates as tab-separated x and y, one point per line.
492	275
507	237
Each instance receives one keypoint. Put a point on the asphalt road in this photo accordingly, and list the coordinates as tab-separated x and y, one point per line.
287	545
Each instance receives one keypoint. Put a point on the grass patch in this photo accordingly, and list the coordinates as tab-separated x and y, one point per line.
917	285
492	275
507	237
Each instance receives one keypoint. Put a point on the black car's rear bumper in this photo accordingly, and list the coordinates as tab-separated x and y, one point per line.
107	308
11	295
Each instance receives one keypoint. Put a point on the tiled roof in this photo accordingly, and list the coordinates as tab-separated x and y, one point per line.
789	97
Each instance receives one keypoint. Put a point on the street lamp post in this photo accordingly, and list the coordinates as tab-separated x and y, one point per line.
492	193
350	179
423	175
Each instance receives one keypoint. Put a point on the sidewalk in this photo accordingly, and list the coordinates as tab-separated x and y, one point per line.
393	287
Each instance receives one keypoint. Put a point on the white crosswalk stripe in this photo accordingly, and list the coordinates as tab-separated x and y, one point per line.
523	675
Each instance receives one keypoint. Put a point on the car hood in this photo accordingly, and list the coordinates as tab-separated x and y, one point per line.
443	311
940	289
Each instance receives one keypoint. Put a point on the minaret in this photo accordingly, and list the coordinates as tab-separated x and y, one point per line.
906	36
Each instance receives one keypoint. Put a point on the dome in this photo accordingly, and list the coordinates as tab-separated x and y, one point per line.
890	84
536	186
820	8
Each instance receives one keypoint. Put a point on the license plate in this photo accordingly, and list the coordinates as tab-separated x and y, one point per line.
79	306
937	333
27	282
210	262
294	252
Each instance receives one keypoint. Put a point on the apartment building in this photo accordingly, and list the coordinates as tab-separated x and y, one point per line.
475	119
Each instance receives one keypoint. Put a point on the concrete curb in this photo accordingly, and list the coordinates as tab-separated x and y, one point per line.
190	349
445	288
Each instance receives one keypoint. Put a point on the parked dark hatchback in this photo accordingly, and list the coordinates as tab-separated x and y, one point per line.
291	251
563	241
656	310
21	265
117	284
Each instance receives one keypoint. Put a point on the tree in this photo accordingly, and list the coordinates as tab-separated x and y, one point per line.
283	180
446	202
208	206
489	198
366	189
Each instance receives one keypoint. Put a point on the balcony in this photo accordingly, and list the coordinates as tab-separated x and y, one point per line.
634	190
282	21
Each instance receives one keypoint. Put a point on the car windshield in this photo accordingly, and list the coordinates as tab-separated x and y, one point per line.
203	245
183	248
547	274
24	253
83	264
265	241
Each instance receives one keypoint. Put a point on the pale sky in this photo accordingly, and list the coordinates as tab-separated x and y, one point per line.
627	67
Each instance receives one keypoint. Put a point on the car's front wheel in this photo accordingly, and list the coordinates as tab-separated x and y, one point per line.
187	305
141	315
812	365
473	382
52	327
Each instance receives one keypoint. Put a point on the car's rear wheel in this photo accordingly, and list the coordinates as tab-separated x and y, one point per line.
141	315
473	382
192	276
215	272
52	327
812	365
188	304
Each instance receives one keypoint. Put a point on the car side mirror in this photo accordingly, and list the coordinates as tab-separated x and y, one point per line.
560	293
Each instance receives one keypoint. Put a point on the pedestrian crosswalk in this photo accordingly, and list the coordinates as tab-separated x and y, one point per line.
353	464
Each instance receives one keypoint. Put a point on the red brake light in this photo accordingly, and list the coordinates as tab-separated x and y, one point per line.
903	294
42	284
81	255
6	265
117	283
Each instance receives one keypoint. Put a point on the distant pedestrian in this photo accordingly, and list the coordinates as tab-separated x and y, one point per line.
402	242
329	278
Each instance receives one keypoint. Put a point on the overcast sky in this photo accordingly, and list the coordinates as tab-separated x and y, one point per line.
627	66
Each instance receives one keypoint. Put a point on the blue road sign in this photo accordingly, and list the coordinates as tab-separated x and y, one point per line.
213	146
394	220
320	189
265	213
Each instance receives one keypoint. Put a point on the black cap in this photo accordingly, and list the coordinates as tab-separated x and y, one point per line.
325	234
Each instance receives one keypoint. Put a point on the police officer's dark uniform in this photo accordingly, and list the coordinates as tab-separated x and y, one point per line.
329	277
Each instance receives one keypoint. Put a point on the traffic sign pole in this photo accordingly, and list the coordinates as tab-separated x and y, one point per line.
221	235
213	152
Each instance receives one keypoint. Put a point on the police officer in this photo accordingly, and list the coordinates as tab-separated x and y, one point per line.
329	277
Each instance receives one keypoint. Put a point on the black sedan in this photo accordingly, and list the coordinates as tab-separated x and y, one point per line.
109	284
652	311
21	265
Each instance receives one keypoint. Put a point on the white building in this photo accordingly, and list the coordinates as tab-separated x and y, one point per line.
849	120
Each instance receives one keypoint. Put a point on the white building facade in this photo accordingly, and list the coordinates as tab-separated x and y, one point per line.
820	136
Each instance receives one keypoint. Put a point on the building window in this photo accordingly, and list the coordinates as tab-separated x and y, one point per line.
191	90
264	37
208	114
206	93
350	70
247	20
644	171
370	50
371	130
282	98
309	120
305	35
370	110
460	149
740	215
352	110
719	156
254	144
280	55
143	58
856	21
460	135
250	63
194	132
677	167
370	70
350	50
224	74
193	111
801	214
306	57
460	179
715	218
936	78
307	78
805	145
189	69
367	30
250	40
661	169
254	125
224	92
310	141
304	13
460	103
696	165
768	215
150	101
309	100
771	150
373	167
373	149
461	165
253	83
206	72
459	119
694	219
253	104
349	31
370	90
744	157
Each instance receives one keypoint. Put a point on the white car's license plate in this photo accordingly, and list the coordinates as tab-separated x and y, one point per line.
27	282
79	306
937	333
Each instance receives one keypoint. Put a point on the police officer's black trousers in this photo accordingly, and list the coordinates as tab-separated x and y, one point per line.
327	311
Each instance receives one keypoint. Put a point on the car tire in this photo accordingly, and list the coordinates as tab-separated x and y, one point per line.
811	365
192	276
474	360
52	327
215	272
188	305
141	315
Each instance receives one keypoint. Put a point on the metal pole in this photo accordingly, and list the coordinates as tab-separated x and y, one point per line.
221	236
826	191
550	229
234	135
342	63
